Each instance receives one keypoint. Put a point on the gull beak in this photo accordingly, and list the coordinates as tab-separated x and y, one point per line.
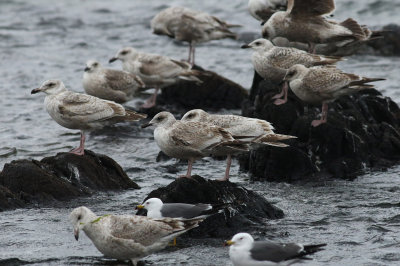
144	126
245	46
76	233
139	207
86	69
228	243
34	91
112	60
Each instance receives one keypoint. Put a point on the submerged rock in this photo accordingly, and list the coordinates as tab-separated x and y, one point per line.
239	209
389	45
362	131
61	177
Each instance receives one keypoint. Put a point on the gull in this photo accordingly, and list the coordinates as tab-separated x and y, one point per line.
262	10
271	62
156	71
80	111
303	21
318	85
193	140
109	84
186	25
244	251
127	237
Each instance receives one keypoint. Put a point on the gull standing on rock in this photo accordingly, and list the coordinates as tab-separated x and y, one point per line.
318	85
186	25
304	21
80	111
262	10
156	71
109	84
271	62
244	251
193	140
127	237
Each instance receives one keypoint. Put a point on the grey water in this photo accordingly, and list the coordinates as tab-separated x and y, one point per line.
43	39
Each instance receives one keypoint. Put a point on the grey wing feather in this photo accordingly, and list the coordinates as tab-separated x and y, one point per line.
182	210
269	251
123	81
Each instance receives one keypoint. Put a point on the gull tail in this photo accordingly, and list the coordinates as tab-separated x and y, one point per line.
274	139
133	116
327	60
355	28
192	75
310	249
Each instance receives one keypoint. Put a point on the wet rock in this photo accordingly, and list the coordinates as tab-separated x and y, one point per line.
389	45
216	92
239	209
362	131
61	177
9	200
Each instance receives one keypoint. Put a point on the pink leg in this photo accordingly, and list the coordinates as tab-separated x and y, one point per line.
324	116
152	100
193	51
228	167
189	170
81	149
285	93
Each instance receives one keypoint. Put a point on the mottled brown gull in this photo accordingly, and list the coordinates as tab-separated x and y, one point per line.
318	85
304	21
186	25
156	71
262	10
244	251
80	111
109	84
127	237
193	140
271	62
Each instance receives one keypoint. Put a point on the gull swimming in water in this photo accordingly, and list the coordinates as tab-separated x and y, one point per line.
109	84
318	85
187	25
193	140
244	251
127	237
156	71
271	62
304	21
262	10
80	111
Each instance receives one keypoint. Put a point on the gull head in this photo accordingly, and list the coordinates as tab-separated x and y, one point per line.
269	29
52	86
259	45
163	119
195	115
152	204
295	72
242	240
92	66
124	54
79	217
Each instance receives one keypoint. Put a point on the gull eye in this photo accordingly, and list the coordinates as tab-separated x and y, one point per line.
124	52
52	84
159	118
95	64
79	217
190	115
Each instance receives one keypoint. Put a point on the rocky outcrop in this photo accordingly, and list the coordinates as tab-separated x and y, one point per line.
61	177
362	131
236	208
389	45
214	93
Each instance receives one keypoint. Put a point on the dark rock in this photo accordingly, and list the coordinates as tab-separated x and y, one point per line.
362	131
389	45
216	92
239	208
61	177
9	200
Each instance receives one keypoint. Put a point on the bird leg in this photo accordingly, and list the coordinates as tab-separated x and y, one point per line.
189	170
324	116
150	102
284	94
193	50
228	167
311	48
190	52
81	149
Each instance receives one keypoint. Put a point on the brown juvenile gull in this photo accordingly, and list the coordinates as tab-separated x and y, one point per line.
187	25
244	251
271	62
109	84
318	85
304	21
156	71
80	111
128	237
262	10
193	140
